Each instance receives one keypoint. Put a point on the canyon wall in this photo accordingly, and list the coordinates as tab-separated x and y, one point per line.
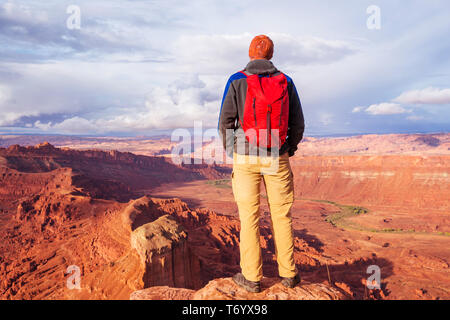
400	181
97	174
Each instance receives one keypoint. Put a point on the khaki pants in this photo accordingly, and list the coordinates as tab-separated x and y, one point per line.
248	171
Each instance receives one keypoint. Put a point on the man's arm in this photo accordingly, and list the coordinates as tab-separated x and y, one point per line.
296	125
228	115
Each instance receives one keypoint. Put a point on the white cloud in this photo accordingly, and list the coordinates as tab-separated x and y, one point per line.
75	125
386	109
4	94
42	126
326	118
98	78
415	118
429	95
175	106
22	13
222	52
294	51
7	116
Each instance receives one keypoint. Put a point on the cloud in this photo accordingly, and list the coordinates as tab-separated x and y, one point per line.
326	118
176	106
75	125
42	126
224	51
45	30
56	88
386	109
7	116
182	102
11	11
131	86
293	50
4	94
415	118
101	97
116	74
429	95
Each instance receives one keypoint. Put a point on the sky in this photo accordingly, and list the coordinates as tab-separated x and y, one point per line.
138	67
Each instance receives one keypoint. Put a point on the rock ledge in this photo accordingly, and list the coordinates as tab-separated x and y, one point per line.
226	289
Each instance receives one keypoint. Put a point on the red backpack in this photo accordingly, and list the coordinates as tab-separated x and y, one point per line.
266	109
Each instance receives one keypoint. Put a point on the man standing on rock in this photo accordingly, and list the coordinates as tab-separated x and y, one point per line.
261	123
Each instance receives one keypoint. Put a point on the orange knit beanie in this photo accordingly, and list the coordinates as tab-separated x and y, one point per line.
261	47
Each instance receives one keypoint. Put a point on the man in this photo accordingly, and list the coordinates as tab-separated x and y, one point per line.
258	100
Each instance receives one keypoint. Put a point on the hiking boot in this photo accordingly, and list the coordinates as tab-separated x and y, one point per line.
250	286
291	282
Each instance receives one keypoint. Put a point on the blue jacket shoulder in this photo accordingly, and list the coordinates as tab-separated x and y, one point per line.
289	79
236	76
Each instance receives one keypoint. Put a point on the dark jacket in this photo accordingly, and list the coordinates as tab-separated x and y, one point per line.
232	110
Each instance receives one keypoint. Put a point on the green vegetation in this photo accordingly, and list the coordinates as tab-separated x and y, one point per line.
221	183
342	220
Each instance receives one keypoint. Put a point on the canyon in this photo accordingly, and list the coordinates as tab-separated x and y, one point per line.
139	226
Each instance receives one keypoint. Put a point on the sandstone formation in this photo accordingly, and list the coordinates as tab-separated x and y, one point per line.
98	211
60	208
212	236
401	181
162	293
118	248
97	174
166	255
378	144
147	146
226	289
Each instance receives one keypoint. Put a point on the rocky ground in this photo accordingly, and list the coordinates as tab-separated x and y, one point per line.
226	289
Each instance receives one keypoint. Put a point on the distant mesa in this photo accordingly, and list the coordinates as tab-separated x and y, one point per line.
44	145
429	141
13	148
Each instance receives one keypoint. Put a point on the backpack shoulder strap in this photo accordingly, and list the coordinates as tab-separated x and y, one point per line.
243	72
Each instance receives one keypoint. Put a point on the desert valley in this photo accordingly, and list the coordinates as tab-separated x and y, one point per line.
140	227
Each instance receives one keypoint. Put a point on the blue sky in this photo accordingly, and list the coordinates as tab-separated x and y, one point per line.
138	66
